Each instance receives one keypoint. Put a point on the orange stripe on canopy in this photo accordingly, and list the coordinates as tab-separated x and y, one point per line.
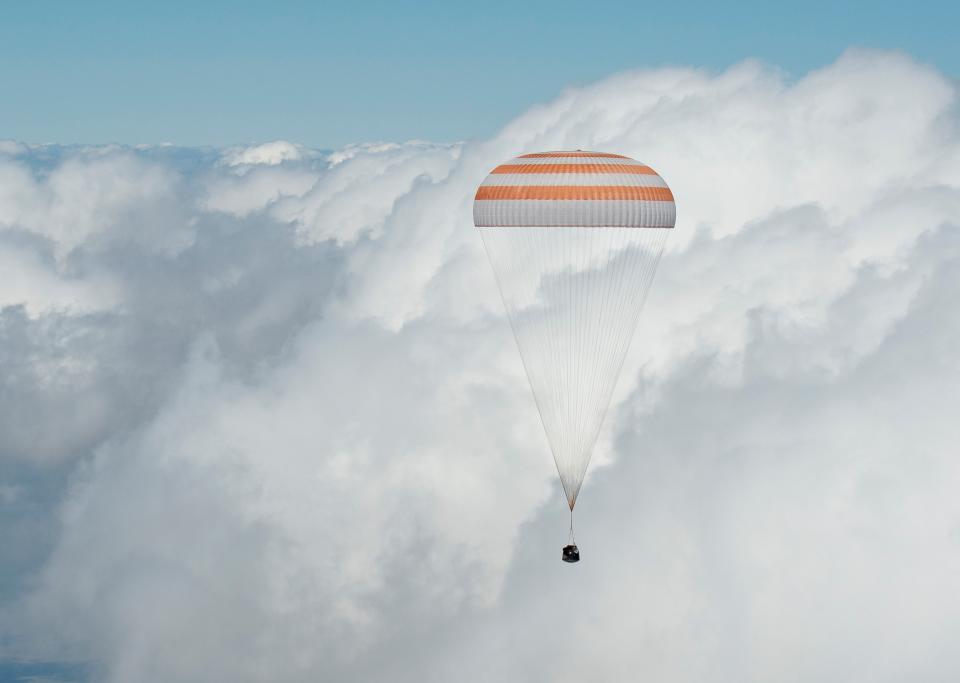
603	192
578	153
574	168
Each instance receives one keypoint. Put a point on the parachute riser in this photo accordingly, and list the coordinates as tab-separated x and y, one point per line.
570	551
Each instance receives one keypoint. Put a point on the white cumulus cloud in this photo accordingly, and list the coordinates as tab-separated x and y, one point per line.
268	154
266	411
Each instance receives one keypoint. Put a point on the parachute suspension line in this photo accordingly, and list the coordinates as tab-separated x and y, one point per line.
573	296
570	539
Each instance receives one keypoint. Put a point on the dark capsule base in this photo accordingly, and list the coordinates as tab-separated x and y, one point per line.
571	553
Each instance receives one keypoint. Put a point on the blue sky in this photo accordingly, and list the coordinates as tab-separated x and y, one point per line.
327	74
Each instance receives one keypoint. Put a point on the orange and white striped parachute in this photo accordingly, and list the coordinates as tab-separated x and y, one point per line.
574	239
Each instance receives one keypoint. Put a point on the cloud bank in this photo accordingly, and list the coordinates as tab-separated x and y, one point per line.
262	418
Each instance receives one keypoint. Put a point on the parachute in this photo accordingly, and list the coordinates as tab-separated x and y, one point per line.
574	239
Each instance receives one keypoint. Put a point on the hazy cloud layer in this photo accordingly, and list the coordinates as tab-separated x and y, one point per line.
261	417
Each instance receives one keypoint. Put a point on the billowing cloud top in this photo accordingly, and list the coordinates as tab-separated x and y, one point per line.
261	416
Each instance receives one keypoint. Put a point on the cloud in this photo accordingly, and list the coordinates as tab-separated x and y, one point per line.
269	154
293	438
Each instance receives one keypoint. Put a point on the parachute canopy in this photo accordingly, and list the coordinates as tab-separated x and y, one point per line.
574	239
